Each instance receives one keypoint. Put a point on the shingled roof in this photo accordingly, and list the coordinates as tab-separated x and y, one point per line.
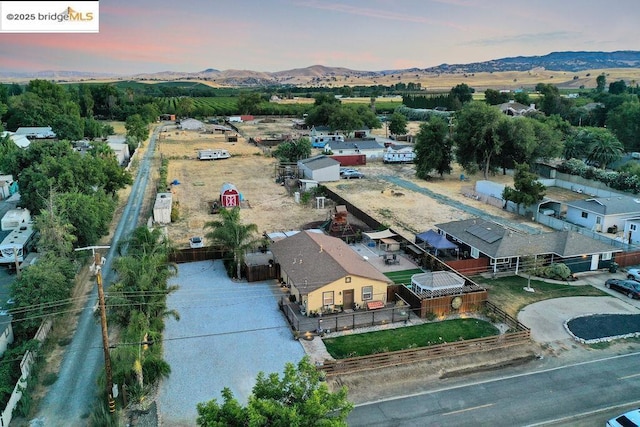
313	260
496	241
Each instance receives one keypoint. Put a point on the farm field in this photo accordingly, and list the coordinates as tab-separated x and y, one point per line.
271	208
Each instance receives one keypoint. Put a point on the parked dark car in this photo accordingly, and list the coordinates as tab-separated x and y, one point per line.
630	288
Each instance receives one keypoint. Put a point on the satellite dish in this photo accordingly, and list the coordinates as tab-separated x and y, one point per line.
366	258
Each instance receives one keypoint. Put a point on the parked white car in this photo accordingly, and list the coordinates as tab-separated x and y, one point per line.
628	419
633	274
196	242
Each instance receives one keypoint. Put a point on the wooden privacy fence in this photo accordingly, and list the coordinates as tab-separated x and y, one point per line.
500	315
518	335
414	355
341	322
196	254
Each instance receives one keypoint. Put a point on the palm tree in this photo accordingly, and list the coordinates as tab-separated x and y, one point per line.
232	235
603	147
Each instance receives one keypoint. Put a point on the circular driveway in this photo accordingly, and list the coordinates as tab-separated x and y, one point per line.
546	319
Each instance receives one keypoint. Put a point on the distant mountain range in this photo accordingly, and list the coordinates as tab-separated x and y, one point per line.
555	61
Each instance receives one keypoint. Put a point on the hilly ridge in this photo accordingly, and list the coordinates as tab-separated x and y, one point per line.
568	61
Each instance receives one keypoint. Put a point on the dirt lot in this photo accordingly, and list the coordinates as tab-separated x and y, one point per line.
268	205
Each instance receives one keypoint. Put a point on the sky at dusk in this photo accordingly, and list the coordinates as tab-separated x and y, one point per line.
144	36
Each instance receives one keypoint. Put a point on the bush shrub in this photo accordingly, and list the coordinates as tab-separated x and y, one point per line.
557	271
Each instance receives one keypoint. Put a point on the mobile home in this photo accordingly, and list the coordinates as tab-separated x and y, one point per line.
17	244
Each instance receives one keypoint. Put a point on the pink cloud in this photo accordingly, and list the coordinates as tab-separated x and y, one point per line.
378	13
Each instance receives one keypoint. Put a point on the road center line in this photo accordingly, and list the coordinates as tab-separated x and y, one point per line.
468	409
629	376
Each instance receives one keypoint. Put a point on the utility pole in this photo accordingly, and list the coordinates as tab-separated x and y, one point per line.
15	257
97	259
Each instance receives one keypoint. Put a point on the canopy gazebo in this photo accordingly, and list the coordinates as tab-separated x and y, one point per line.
435	240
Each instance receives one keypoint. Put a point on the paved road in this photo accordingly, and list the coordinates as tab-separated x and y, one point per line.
69	400
581	394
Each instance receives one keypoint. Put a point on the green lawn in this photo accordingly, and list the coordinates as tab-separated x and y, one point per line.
409	337
508	293
403	276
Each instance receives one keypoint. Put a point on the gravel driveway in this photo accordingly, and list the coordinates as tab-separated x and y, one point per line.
227	333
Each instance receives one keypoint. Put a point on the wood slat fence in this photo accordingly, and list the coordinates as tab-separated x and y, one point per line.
518	335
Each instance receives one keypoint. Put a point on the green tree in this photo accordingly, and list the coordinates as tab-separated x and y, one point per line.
552	102
476	137
249	102
232	235
299	398
292	151
433	148
42	289
137	128
69	127
56	232
346	120
184	107
601	83
90	214
495	97
143	273
528	190
624	122
522	97
617	88
603	147
462	93
550	140
518	142
398	124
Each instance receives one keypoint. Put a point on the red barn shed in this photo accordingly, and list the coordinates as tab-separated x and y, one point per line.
229	196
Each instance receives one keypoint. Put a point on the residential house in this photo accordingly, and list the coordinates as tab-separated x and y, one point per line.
398	153
320	168
603	214
369	147
324	273
191	124
118	143
363	132
505	248
20	140
7	186
319	131
513	108
40	132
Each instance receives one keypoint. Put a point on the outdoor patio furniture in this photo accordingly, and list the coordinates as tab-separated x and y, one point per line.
374	305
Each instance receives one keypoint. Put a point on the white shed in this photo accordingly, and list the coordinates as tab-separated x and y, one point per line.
162	208
320	168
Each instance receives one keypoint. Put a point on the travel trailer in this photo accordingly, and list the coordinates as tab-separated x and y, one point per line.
213	154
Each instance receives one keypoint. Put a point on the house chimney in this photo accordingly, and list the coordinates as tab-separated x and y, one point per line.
321	249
